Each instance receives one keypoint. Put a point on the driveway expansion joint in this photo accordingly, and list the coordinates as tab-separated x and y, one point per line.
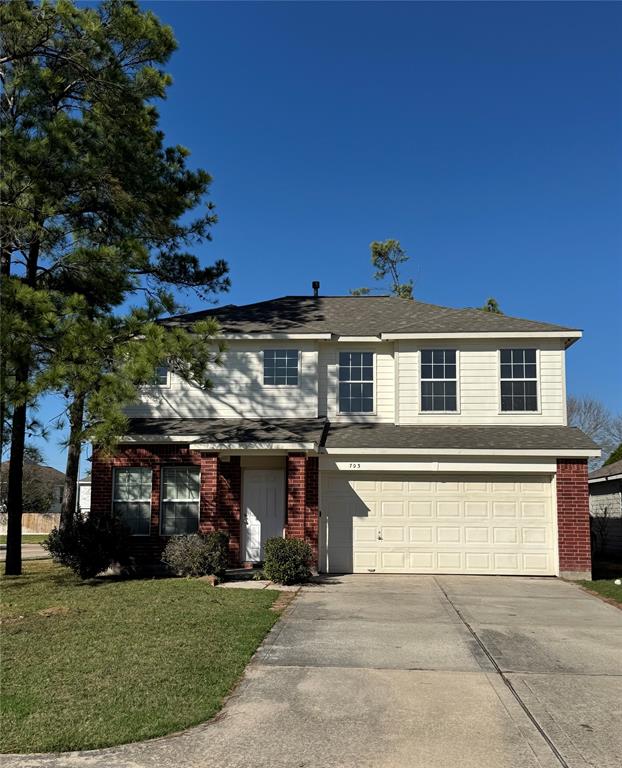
506	681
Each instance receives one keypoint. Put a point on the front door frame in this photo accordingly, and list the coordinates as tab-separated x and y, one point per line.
243	531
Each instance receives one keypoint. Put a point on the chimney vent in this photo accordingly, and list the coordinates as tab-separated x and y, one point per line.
316	288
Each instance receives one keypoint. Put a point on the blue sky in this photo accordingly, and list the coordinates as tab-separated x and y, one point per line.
487	138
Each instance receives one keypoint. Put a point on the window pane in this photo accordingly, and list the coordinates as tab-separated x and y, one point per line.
426	356
506	371
506	355
426	388
356	376
426	371
531	388
450	371
280	367
530	356
530	371
161	375
450	356
426	404
450	388
450	404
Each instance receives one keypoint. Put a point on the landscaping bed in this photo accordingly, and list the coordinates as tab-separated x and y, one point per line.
104	662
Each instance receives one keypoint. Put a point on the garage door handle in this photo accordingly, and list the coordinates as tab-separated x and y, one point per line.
379	535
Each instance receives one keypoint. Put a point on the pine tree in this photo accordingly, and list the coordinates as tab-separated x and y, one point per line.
95	206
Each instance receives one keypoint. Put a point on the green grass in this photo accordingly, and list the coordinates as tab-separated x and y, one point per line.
28	538
605	588
106	662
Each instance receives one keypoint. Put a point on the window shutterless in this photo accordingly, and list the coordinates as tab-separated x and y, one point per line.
160	378
181	490
438	380
280	367
519	380
131	498
356	382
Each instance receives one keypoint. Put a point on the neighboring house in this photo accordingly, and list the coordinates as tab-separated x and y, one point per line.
394	436
84	496
606	509
42	486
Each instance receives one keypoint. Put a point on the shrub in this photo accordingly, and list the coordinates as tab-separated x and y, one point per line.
287	560
198	554
90	545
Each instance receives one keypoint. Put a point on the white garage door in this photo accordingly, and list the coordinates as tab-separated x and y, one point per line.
386	523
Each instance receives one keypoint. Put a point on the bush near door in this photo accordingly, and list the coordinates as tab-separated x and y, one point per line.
287	560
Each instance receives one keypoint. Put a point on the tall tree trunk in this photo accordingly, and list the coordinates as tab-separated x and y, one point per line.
70	490
15	501
13	565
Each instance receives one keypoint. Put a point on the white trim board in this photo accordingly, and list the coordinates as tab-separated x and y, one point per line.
556	452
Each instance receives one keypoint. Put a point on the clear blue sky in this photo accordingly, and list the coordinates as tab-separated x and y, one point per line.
487	138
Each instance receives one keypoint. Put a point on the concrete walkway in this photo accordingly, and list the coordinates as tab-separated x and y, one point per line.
29	552
414	672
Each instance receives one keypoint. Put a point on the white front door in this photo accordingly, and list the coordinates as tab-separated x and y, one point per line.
264	510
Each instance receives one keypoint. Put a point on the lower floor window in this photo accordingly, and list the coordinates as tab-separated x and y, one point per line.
180	500
131	499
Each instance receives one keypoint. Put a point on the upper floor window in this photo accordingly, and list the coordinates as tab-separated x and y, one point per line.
280	367
181	488
131	498
160	378
356	382
519	381
438	380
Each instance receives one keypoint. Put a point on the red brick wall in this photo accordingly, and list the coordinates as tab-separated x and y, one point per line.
296	491
302	499
220	492
229	503
573	516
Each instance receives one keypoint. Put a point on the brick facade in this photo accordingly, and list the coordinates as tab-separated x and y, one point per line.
573	519
302	520
220	495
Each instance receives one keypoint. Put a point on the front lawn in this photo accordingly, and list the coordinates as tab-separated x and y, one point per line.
606	588
94	664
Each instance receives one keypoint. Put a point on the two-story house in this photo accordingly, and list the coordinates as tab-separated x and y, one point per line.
394	436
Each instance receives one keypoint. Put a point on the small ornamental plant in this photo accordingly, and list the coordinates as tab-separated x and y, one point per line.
198	554
90	545
287	561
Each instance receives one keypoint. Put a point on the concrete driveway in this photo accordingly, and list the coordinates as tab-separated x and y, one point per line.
415	672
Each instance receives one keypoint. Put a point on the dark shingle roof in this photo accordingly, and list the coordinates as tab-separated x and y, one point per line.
365	435
606	471
526	438
358	316
233	430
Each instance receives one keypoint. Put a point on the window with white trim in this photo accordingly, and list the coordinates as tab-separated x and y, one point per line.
131	498
438	380
356	382
181	490
280	367
519	380
160	378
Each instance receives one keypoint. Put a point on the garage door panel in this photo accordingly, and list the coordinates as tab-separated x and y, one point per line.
427	524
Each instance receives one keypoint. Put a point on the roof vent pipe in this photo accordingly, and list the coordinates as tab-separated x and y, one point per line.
316	288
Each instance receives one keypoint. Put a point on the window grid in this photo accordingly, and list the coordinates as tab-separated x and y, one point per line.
181	491
356	382
519	380
160	378
438	380
280	367
131	498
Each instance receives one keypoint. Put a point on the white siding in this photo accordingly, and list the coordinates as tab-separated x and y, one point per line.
478	384
238	390
384	381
